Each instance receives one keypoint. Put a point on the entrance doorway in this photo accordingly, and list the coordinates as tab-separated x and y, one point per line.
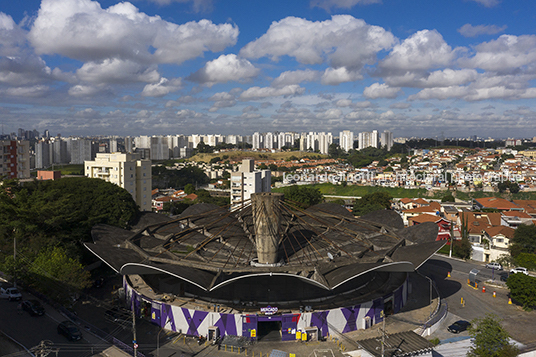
269	331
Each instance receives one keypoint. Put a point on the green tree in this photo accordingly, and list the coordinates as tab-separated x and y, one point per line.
490	339
203	148
334	151
448	197
54	273
164	178
524	240
303	196
189	188
526	260
372	202
523	289
514	187
463	249
215	160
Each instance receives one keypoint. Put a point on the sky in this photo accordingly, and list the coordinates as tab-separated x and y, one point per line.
418	68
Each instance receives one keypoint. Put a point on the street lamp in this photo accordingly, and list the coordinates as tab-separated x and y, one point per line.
431	311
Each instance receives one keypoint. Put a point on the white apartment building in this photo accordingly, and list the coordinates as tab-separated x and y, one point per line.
387	139
368	139
318	142
15	159
346	140
257	141
125	170
247	181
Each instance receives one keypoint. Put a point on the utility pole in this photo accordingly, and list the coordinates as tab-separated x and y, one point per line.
15	258
382	314
134	341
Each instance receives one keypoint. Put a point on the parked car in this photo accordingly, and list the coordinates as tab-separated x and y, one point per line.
69	330
34	307
519	270
459	326
494	265
10	293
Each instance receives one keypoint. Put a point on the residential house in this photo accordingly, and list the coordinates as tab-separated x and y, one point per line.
498	242
515	218
500	204
433	208
443	232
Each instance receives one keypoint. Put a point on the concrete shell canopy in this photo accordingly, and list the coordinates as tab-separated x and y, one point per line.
210	247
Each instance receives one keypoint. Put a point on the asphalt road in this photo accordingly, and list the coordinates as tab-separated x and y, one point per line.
519	323
30	331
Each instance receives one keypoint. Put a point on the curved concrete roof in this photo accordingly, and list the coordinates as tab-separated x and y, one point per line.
210	247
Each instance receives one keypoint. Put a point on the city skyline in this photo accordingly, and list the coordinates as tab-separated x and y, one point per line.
153	67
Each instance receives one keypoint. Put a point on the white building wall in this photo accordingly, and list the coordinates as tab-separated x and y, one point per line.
346	140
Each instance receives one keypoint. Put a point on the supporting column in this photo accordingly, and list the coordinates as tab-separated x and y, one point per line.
267	218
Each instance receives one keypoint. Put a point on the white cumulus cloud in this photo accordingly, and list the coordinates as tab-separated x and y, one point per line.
224	69
114	70
424	50
340	75
82	30
506	53
295	77
258	92
344	41
378	90
162	88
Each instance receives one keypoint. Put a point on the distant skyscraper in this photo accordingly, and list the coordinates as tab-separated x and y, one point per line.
257	141
42	155
368	139
387	139
80	150
269	141
346	140
113	145
159	148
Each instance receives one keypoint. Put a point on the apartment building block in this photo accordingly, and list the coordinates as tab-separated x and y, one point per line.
15	159
247	181
128	171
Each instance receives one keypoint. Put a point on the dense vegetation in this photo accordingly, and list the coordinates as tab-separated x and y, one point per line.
302	196
523	290
372	202
49	220
165	178
523	246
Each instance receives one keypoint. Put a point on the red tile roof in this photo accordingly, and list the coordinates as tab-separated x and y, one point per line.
496	202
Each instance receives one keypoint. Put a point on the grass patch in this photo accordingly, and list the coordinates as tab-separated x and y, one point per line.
444	249
360	191
399	192
77	169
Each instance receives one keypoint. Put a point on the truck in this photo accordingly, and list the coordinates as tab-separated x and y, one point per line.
10	293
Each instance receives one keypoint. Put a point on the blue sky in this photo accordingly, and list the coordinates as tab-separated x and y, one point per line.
417	68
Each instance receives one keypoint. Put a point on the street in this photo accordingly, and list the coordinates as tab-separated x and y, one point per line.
476	304
31	330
